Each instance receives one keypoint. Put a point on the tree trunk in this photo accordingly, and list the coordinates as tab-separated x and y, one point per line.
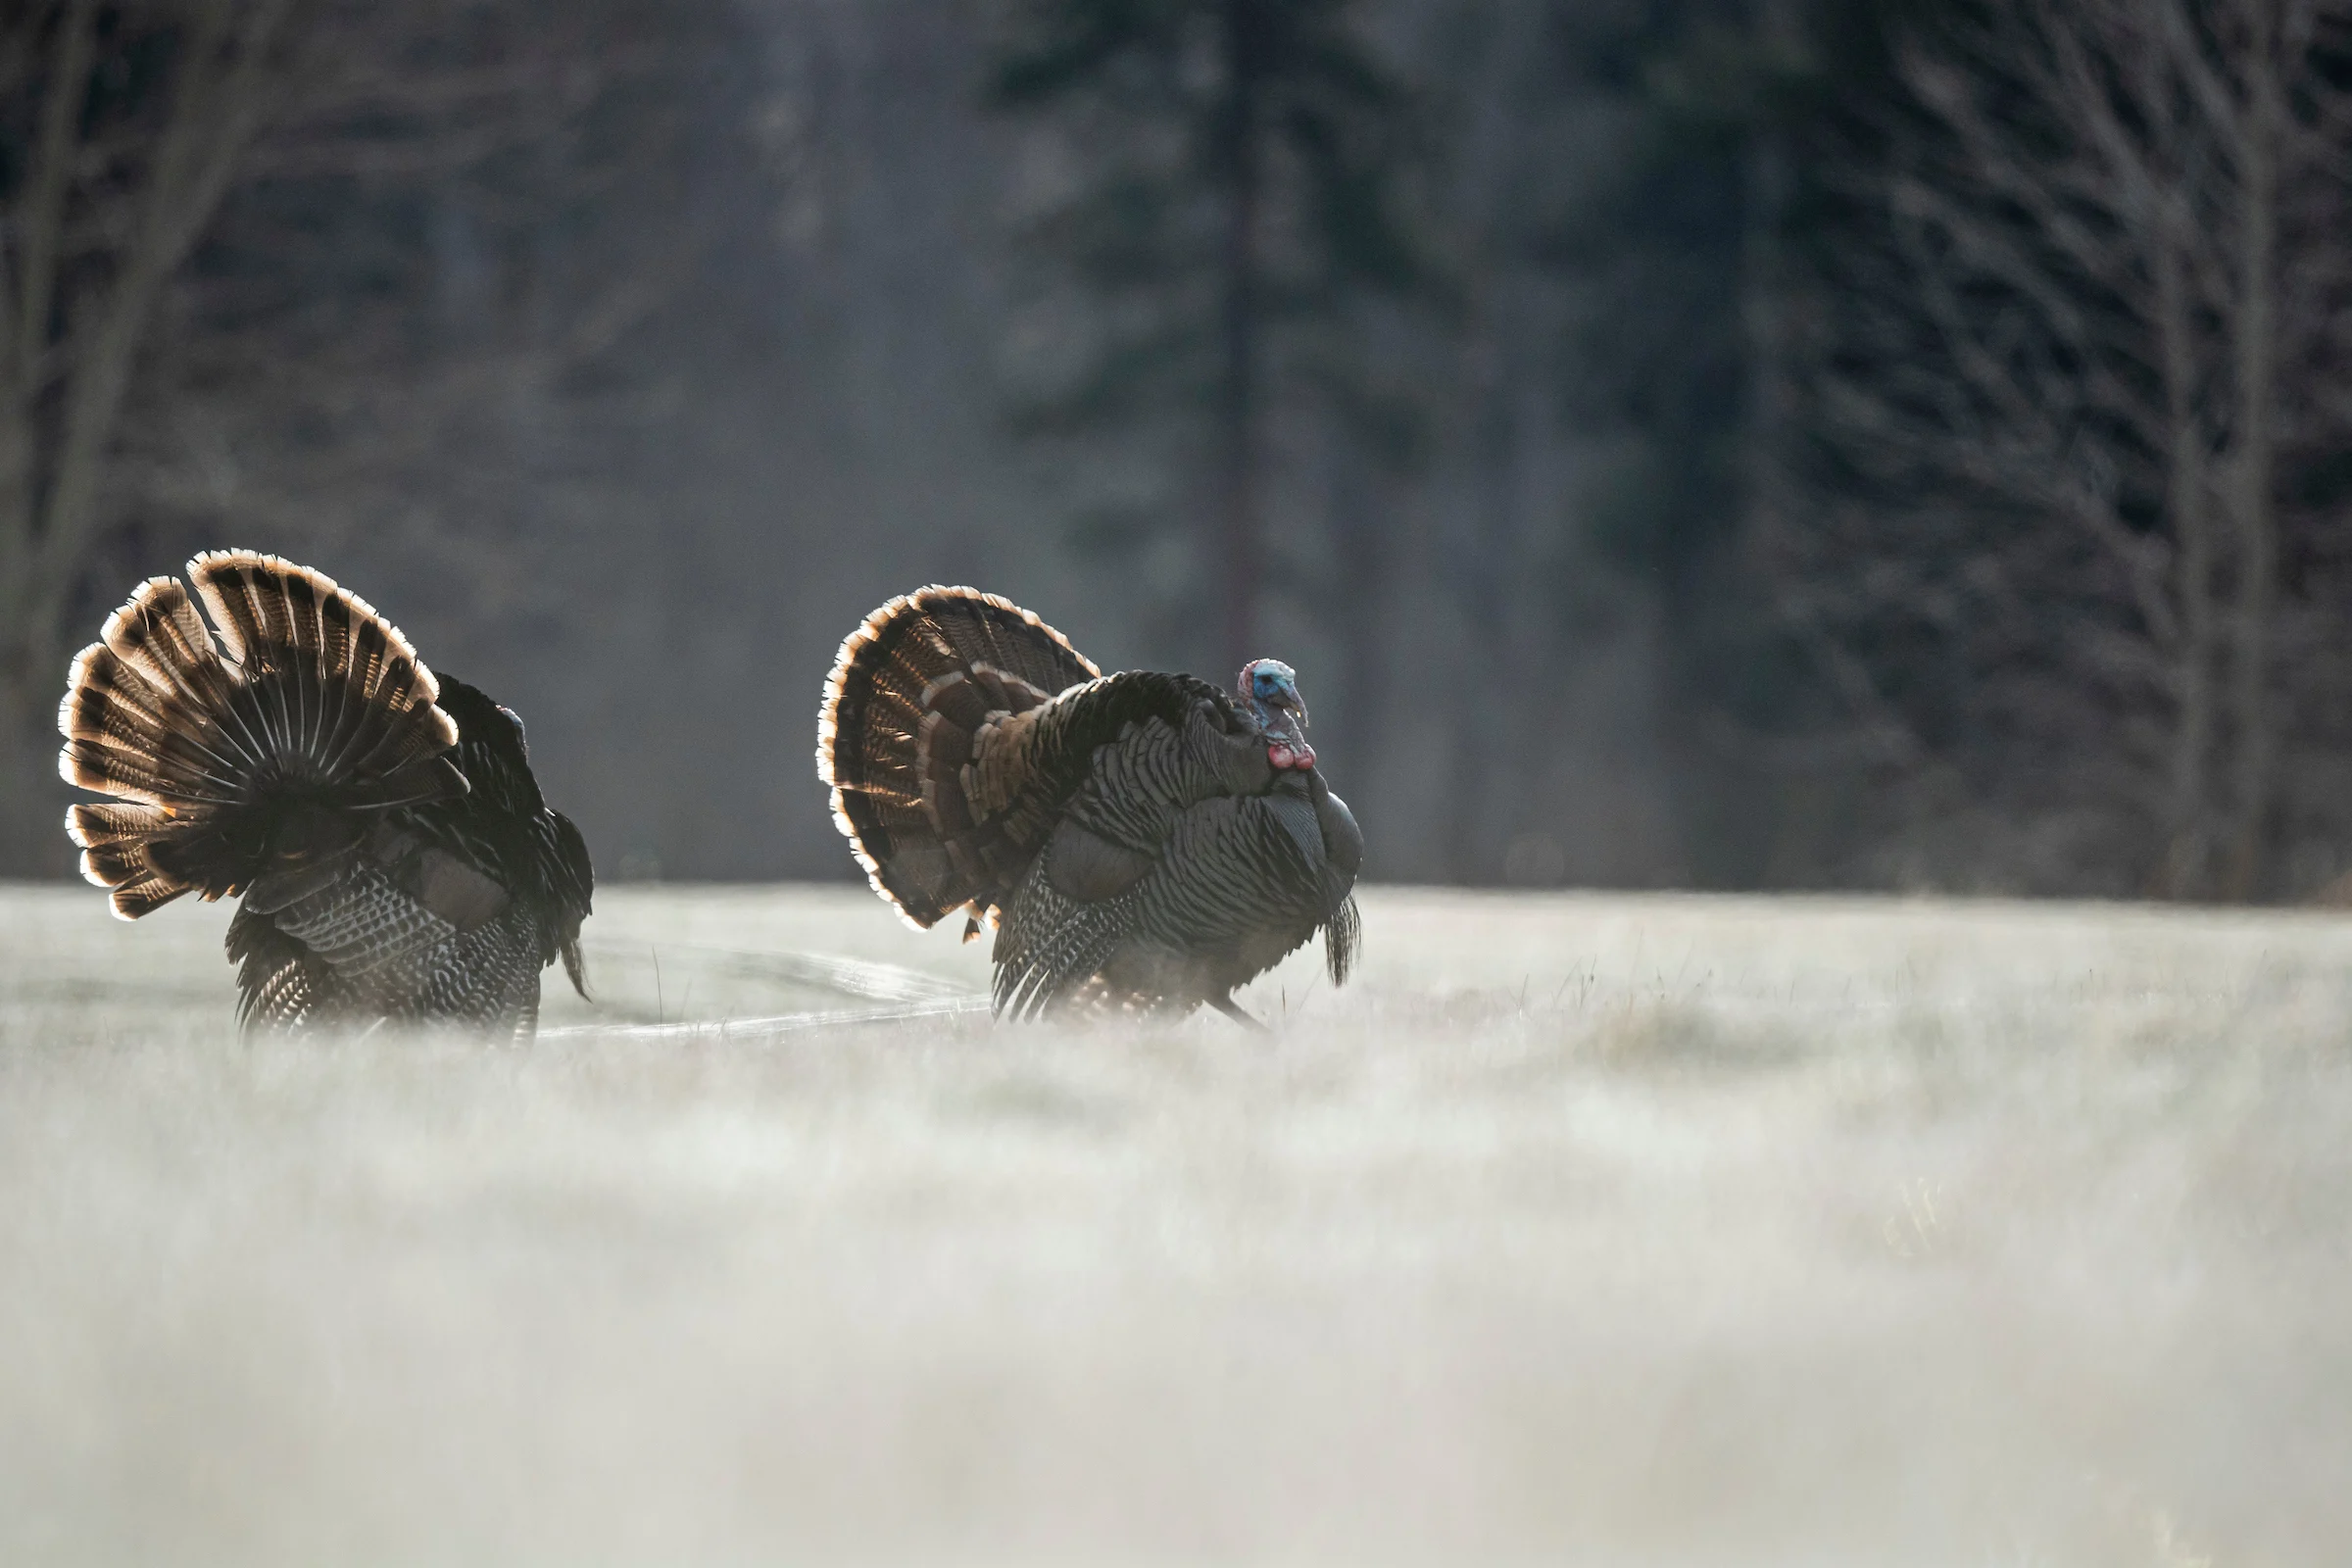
1239	548
32	264
2255	353
30	841
1766	298
1764	291
1360	526
2188	850
1486	747
53	467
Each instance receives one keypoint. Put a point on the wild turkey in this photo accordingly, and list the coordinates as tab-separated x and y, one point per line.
392	856
1138	840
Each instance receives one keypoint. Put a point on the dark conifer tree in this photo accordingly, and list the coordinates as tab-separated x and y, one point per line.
1248	157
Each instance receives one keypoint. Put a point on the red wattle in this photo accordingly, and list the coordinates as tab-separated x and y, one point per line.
1281	755
1307	756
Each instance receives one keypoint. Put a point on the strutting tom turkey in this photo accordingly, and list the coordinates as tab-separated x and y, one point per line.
1139	840
382	829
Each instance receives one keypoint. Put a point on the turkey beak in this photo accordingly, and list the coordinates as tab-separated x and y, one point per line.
1289	702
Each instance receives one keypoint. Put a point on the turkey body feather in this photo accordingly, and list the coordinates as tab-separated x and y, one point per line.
1128	836
381	827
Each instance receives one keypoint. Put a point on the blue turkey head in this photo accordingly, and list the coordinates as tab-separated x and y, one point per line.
1269	689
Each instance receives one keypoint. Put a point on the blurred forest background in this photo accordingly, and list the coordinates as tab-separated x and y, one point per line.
1728	443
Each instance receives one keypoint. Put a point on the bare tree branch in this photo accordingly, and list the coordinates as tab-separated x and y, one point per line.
2091	264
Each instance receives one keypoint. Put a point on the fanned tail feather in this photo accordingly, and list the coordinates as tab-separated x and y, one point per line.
898	738
229	764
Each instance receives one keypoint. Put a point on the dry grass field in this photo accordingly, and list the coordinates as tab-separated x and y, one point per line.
1583	1230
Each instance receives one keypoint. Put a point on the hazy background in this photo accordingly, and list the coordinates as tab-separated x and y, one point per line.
1680	443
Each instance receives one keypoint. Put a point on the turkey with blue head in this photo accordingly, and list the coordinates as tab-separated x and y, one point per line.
381	827
1139	841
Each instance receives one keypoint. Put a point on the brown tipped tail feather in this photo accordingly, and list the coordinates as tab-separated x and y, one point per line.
257	762
908	709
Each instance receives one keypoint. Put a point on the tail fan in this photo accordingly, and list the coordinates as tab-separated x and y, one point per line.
910	693
268	758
